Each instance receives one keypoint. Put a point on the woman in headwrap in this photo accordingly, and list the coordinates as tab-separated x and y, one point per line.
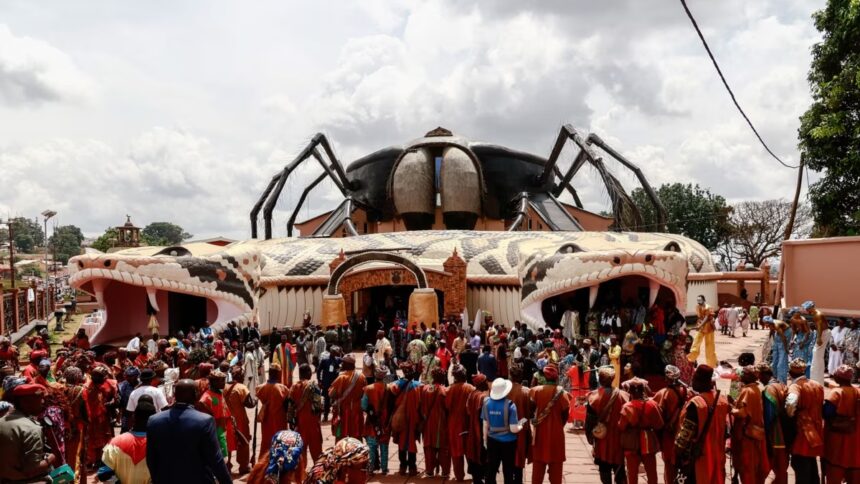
74	389
345	463
284	464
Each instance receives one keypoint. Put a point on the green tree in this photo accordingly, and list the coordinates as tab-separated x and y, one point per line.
830	130
106	240
65	242
692	211
27	233
163	233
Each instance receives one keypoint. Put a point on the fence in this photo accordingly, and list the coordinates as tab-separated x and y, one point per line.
18	310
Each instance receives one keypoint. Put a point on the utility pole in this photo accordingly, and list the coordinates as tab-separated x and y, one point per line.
11	250
47	214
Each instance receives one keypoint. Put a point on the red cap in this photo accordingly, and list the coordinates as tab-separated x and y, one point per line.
28	389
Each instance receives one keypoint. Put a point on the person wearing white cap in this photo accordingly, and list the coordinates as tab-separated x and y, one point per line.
501	424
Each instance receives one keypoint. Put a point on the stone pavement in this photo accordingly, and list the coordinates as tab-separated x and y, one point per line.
579	467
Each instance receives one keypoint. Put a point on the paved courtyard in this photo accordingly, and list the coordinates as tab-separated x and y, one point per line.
579	467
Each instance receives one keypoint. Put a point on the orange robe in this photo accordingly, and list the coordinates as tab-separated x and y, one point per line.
842	449
307	422
455	405
520	396
346	392
549	434
273	417
579	389
380	400
810	424
235	395
474	438
750	454
671	401
432	405
711	465
99	428
410	400
75	395
608	449
285	356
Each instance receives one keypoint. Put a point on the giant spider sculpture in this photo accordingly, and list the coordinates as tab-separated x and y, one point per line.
466	179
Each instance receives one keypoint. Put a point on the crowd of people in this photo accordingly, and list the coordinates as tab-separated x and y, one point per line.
193	407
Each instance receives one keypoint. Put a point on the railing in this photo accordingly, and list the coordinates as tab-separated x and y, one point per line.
18	310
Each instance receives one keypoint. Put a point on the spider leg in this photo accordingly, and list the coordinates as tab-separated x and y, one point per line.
301	202
625	212
276	186
659	209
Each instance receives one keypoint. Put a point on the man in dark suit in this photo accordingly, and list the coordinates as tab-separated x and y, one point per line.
181	445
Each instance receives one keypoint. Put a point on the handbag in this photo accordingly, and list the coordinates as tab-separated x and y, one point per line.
600	429
755	432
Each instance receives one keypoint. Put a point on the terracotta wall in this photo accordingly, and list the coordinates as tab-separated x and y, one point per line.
752	287
826	271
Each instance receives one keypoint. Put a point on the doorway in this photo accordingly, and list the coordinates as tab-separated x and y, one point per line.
185	311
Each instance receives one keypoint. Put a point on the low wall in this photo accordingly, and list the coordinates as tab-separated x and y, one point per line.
826	271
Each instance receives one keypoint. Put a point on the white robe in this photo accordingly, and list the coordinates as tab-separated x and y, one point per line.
837	338
816	373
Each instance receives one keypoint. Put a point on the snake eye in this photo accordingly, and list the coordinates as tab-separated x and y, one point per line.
616	260
107	263
649	258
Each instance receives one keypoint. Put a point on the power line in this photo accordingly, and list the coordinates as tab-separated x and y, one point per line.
729	89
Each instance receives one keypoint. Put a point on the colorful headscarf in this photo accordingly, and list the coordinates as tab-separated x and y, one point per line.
10	382
347	452
284	453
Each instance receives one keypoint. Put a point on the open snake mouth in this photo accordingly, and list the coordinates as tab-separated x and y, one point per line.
628	274
176	293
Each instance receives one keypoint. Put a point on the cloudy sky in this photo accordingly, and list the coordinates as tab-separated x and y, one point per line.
183	110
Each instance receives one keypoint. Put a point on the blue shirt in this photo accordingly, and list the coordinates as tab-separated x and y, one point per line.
487	366
494	411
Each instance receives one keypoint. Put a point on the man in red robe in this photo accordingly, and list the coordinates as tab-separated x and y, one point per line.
841	439
476	454
76	423
697	432
804	403
273	418
749	445
376	404
435	431
285	356
640	420
238	398
671	400
455	406
98	394
406	419
551	405
31	371
604	407
519	395
773	399
212	402
346	392
304	394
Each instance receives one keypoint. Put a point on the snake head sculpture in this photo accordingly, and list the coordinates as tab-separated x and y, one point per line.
136	285
574	266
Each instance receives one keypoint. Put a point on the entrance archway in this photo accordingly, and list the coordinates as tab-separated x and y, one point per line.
423	303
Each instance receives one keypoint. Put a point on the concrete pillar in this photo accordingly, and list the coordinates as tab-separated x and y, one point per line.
424	306
333	310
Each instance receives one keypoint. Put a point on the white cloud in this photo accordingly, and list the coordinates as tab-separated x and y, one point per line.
196	113
33	71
